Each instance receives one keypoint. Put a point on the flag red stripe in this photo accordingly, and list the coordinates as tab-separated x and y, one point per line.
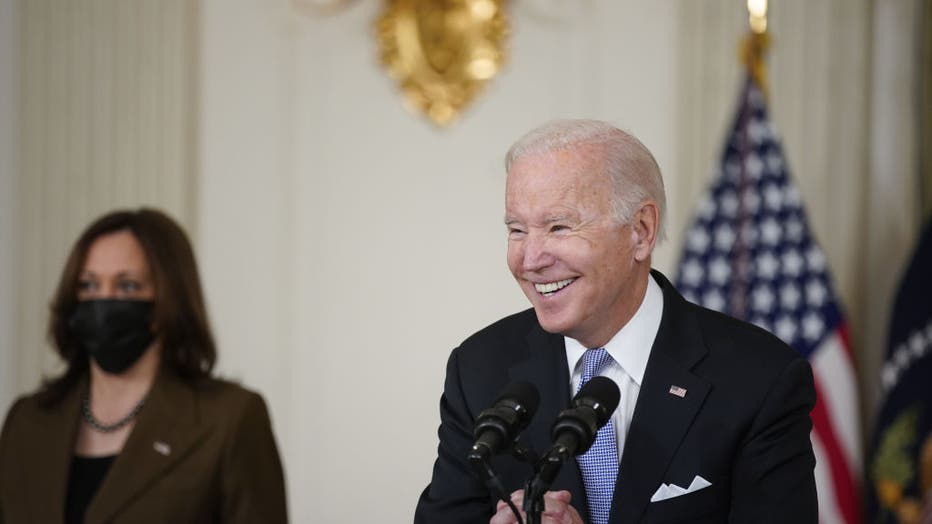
843	482
842	330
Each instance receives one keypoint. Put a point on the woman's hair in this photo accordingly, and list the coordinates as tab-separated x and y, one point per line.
179	315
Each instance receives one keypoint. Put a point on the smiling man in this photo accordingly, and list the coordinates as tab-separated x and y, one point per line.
713	422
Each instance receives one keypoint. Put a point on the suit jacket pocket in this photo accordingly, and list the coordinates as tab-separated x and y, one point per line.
706	505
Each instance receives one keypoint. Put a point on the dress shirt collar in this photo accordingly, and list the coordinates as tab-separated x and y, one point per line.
630	347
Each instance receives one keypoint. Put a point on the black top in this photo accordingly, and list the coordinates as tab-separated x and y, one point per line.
83	481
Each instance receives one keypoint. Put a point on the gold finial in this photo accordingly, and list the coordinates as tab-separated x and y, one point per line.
755	45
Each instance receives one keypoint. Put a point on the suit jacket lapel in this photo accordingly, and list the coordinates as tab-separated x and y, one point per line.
46	470
167	429
661	419
546	368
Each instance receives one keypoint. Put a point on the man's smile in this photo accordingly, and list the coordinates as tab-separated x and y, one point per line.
551	288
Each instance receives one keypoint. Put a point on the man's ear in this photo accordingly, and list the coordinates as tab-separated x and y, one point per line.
645	224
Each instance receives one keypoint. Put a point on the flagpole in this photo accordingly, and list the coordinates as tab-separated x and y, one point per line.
752	51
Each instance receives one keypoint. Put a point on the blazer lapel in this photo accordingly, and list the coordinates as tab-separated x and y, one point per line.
166	431
46	470
661	418
546	368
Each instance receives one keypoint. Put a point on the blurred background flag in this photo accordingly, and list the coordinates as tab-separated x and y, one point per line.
900	463
750	254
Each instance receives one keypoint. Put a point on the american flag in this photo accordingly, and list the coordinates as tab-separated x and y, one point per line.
750	254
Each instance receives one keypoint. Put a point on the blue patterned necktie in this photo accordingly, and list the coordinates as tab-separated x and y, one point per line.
599	465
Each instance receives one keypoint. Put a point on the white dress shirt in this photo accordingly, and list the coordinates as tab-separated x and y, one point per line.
629	348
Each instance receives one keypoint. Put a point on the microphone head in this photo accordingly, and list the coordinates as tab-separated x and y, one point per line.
496	427
576	428
602	395
523	394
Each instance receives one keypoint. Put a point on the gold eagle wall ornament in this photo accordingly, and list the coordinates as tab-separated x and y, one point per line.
442	52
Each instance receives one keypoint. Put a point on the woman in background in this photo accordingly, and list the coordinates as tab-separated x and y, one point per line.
135	429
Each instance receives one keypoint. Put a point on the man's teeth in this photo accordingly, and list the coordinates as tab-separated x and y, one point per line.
552	287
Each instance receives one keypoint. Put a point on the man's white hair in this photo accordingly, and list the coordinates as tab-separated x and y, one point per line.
632	168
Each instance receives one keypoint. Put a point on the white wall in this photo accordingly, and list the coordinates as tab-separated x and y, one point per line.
348	245
245	213
9	52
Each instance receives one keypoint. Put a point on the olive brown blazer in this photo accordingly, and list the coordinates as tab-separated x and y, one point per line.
198	453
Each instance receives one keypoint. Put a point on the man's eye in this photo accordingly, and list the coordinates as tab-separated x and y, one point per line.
513	232
556	228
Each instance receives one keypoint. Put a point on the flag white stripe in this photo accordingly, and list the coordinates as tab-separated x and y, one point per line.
832	365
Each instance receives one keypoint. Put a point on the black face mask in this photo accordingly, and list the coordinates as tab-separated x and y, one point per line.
115	333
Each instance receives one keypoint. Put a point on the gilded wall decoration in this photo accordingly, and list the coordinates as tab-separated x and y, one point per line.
442	52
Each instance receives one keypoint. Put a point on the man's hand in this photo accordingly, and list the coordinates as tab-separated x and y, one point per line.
557	509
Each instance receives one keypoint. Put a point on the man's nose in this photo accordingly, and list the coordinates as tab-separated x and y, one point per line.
537	254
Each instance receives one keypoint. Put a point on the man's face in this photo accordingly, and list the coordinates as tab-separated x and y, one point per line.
579	268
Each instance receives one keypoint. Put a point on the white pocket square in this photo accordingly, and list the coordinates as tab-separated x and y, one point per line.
668	491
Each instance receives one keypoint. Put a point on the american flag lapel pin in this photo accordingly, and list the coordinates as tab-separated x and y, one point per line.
162	448
678	391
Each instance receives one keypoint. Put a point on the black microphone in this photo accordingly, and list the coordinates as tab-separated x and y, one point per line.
497	427
496	430
575	429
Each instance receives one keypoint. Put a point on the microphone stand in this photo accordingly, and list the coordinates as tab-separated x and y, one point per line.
483	468
545	472
482	465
